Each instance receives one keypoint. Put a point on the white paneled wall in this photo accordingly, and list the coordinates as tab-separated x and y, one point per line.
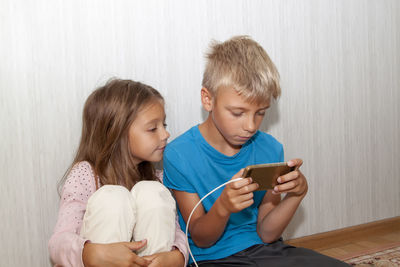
340	68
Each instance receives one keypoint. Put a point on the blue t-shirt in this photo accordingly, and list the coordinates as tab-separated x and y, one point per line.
194	166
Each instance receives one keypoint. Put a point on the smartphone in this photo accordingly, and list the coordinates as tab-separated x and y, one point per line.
266	175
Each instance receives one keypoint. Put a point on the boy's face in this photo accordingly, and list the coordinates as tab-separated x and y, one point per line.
235	119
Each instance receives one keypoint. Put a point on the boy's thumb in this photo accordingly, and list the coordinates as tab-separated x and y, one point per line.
136	245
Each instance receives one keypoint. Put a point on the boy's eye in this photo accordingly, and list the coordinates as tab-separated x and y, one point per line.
261	113
153	129
165	125
237	114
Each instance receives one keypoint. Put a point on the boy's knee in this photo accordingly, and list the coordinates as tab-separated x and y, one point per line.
152	193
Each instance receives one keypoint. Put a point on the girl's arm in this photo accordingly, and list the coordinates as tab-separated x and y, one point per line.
172	258
180	241
114	254
65	245
274	215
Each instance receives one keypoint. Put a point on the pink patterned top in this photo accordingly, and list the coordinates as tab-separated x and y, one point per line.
65	245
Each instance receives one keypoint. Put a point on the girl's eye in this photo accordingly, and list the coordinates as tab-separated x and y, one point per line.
261	113
165	125
153	129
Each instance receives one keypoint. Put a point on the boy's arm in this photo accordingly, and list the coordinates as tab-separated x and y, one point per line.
274	215
206	228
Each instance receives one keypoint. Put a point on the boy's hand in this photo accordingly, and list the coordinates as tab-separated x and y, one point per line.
294	183
238	195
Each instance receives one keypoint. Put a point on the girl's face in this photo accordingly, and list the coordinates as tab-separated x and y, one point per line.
147	134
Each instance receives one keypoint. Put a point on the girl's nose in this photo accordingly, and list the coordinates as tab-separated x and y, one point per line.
165	135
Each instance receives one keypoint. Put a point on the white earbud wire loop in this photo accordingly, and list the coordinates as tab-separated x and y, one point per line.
195	207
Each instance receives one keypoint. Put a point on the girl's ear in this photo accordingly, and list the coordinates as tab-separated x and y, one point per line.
206	99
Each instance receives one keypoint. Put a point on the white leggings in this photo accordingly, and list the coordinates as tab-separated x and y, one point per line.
148	211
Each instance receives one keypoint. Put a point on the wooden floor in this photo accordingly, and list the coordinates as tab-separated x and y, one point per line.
344	242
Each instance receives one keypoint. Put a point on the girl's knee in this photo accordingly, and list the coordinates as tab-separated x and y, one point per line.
156	213
152	193
109	216
111	199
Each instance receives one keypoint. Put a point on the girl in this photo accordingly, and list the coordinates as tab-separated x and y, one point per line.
111	194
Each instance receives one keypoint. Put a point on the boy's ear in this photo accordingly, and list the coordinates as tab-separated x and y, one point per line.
206	99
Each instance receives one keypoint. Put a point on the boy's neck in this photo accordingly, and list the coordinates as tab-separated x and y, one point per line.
215	139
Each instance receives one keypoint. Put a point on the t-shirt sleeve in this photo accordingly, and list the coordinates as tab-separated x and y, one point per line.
176	171
281	154
272	147
65	245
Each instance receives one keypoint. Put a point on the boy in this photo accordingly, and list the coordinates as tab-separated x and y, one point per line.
236	225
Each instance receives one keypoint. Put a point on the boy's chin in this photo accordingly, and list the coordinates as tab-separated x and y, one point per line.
237	143
240	141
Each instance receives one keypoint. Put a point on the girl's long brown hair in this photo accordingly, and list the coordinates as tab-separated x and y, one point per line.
107	115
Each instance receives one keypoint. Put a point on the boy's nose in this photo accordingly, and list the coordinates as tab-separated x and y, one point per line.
250	125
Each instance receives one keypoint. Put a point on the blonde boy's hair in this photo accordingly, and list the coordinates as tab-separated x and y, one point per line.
243	64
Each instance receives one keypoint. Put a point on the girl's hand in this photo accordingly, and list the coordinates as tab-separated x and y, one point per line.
294	183
238	195
172	258
113	254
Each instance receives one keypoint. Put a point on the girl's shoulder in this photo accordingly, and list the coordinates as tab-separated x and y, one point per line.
81	175
159	175
82	169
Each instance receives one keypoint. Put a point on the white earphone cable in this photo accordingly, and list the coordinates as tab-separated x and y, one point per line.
198	203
